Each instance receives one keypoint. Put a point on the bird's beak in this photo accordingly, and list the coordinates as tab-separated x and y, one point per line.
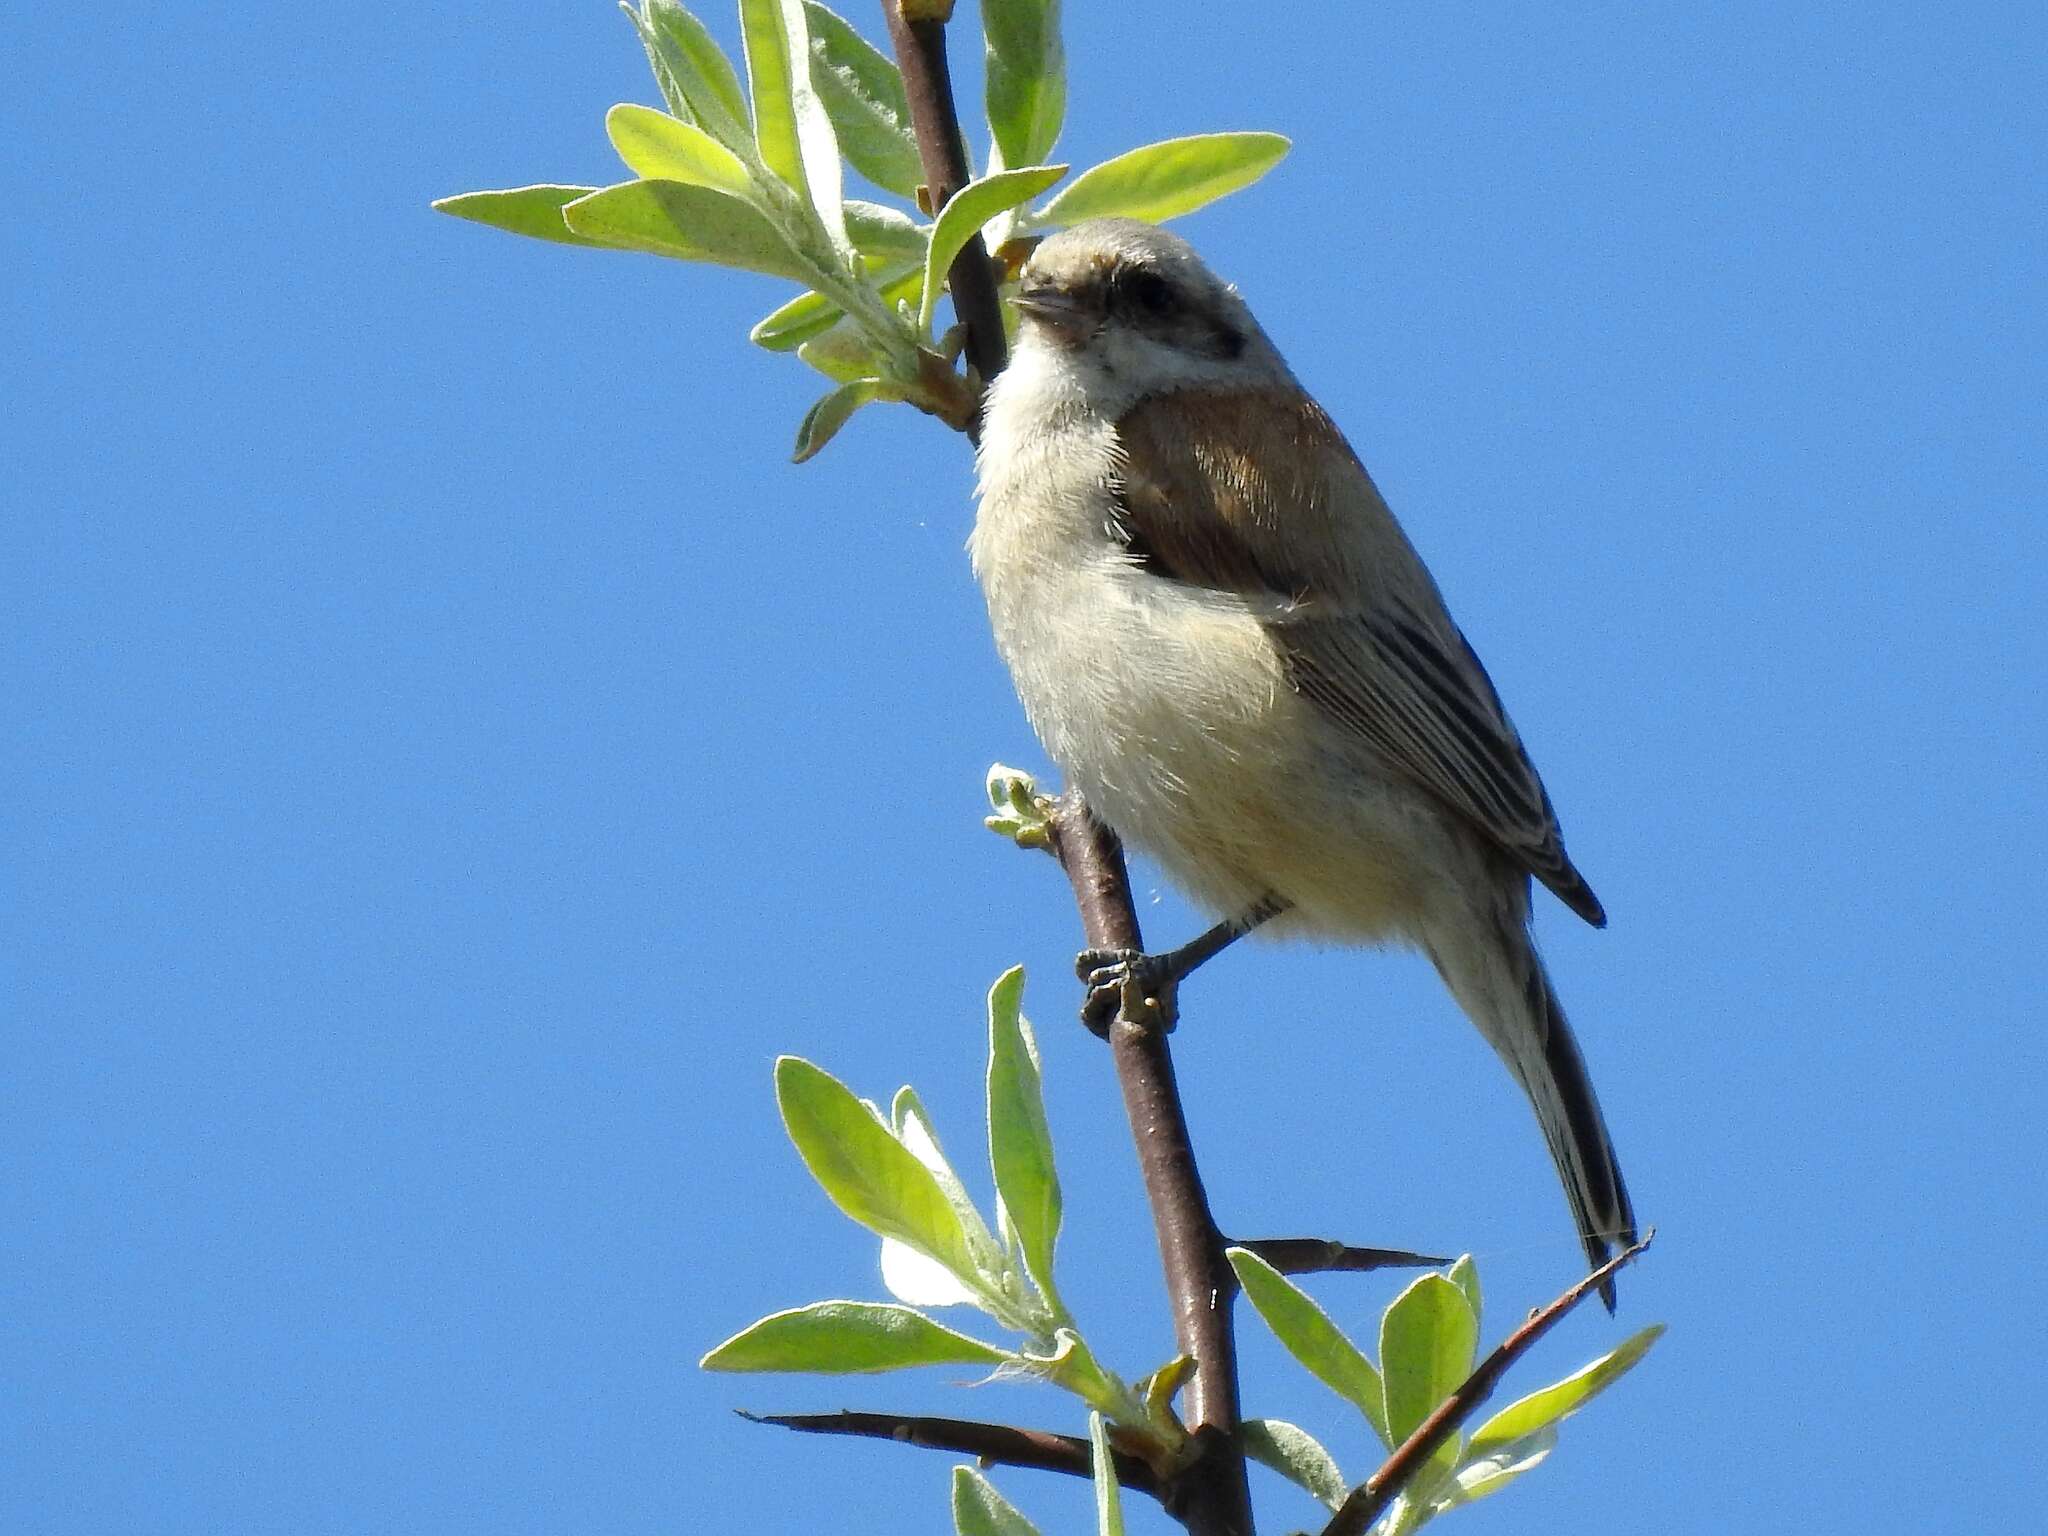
1058	311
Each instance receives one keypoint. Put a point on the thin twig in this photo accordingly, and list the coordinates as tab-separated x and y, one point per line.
1316	1255
921	56
996	1444
1369	1500
1200	1282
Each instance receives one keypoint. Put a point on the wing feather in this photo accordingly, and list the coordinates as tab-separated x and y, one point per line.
1251	492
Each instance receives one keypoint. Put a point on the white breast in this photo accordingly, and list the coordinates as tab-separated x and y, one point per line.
1155	699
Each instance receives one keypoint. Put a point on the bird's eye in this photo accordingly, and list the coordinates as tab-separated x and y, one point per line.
1149	292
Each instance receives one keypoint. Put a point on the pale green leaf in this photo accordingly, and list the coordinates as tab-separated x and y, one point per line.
887	234
812	314
665	77
792	129
1021	812
1019	1140
1157	1389
978	1510
845	353
868	1173
1072	1367
670	218
912	1124
1465	1276
1109	1504
820	425
1559	1400
848	1338
658	147
863	91
1312	1338
964	214
697	70
1427	1340
1481	1475
1026	77
768	79
535	211
805	316
1162	181
1297	1456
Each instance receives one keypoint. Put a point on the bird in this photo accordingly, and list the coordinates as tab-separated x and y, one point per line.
1229	647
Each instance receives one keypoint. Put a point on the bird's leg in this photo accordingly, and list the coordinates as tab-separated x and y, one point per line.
1150	981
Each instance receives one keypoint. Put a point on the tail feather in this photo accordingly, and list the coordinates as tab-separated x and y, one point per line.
1499	980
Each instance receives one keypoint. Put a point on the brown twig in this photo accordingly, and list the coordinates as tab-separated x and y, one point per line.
998	1444
1369	1500
1316	1255
920	48
1213	1497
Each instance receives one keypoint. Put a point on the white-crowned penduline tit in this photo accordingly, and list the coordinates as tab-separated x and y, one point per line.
1227	644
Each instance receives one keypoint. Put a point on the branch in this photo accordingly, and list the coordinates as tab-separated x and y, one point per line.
1316	1255
1199	1279
991	1444
1369	1500
1211	1496
920	48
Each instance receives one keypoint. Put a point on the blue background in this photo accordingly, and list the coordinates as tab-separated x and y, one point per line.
451	752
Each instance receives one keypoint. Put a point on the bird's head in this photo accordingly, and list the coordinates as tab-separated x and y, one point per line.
1133	304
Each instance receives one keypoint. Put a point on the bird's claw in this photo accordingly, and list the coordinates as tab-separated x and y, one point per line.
1127	982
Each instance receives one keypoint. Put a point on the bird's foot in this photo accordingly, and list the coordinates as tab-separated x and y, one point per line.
1138	986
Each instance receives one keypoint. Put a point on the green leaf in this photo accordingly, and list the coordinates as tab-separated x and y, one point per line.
535	211
1022	814
886	234
978	1510
670	218
868	1173
913	1127
791	126
805	316
697	70
809	315
1019	1141
1297	1456
1026	77
671	92
1479	1476
845	353
1312	1338
863	91
1427	1341
1109	1504
964	214
848	1338
1561	1399
1162	181
658	147
1157	1389
1465	1276
1072	1367
820	425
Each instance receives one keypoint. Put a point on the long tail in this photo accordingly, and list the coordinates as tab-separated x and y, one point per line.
1493	970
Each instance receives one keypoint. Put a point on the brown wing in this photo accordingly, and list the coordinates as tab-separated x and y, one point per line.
1249	493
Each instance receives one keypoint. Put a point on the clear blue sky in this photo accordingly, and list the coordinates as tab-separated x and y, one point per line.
451	752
